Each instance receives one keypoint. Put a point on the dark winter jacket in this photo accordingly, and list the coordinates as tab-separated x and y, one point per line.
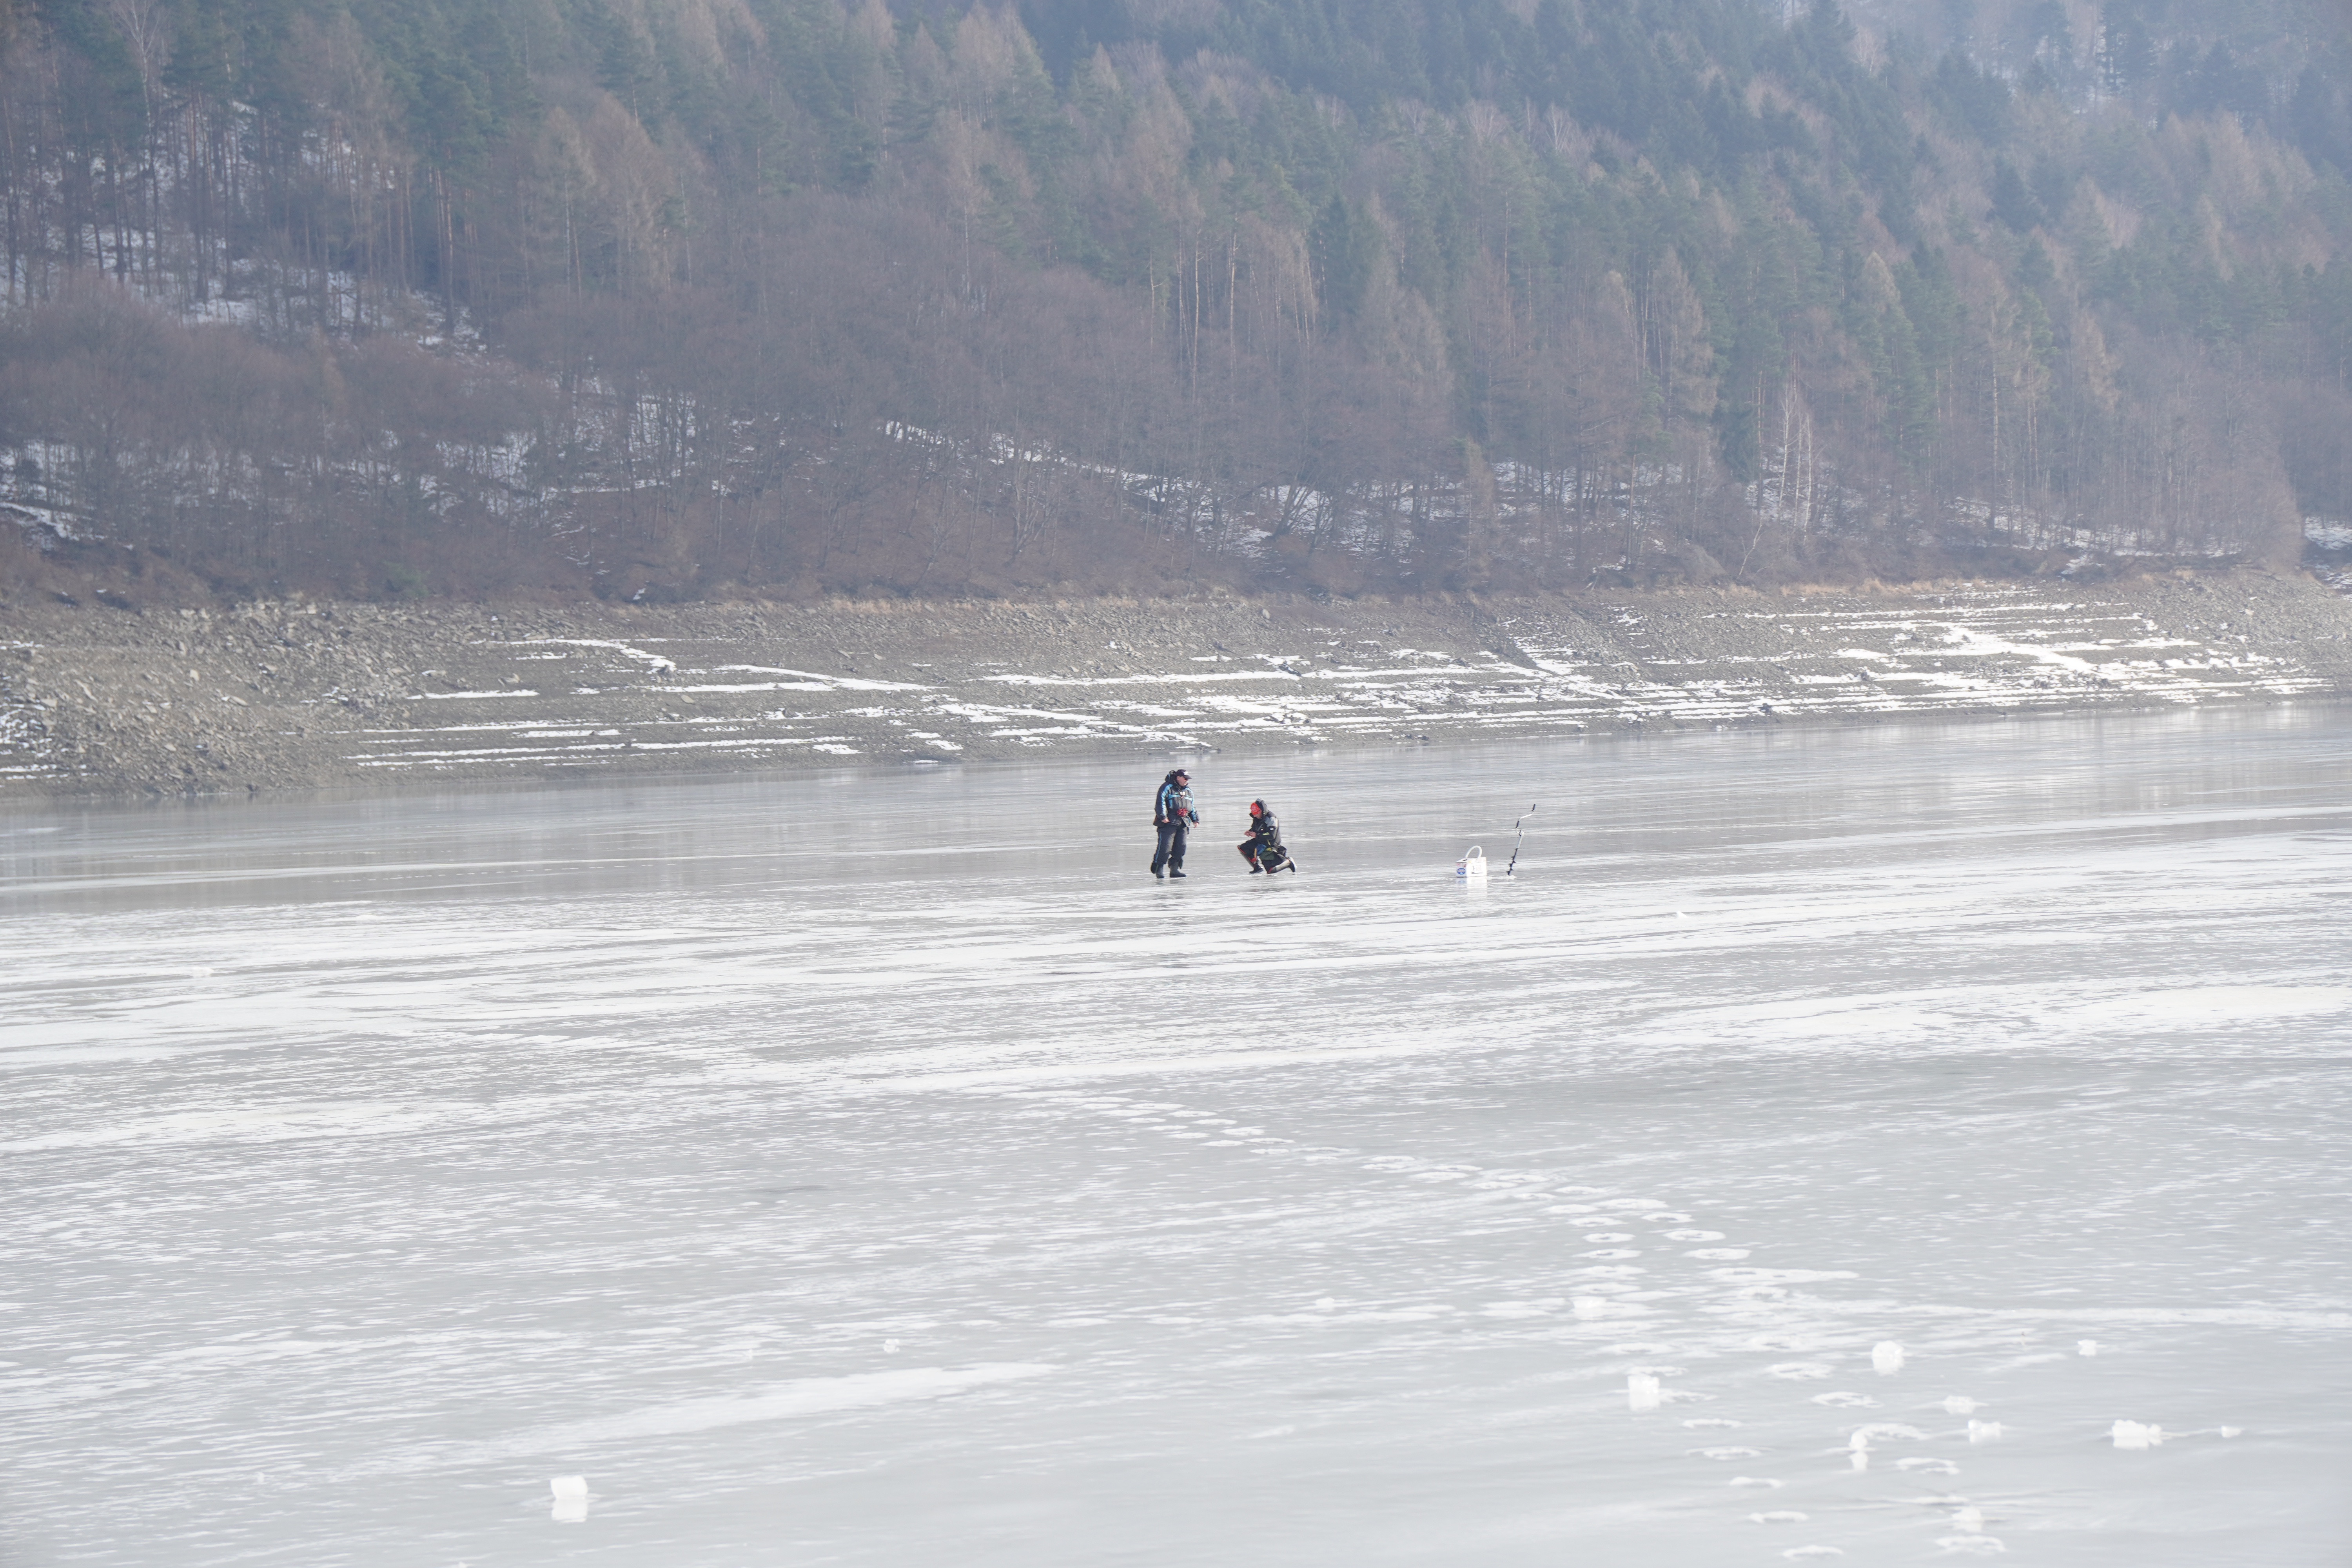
1173	804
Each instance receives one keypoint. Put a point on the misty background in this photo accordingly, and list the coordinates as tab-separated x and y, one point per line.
680	299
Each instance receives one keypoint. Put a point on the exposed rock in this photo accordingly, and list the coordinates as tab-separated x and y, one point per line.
273	696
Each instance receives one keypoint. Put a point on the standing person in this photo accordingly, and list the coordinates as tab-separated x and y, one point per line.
1172	814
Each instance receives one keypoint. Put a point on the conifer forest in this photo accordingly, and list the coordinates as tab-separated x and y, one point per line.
683	299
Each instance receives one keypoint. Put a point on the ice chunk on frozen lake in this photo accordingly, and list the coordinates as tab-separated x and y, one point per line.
570	1499
1642	1391
1886	1358
1877	1431
2132	1435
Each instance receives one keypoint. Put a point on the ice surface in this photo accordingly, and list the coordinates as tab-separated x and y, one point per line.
808	1397
884	1171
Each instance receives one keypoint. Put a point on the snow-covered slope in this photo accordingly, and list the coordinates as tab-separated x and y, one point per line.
274	696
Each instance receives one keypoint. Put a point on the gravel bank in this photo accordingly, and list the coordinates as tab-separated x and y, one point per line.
97	700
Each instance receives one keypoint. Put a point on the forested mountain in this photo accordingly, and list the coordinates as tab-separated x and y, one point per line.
667	298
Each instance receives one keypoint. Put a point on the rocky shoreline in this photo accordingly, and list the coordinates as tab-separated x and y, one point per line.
99	701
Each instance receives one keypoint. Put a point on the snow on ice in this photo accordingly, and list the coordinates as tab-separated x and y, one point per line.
884	1165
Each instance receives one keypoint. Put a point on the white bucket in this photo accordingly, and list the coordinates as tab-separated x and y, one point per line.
1471	868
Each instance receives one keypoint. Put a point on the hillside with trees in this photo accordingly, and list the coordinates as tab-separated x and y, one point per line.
676	298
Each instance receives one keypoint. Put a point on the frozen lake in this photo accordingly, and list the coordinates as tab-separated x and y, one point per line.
884	1170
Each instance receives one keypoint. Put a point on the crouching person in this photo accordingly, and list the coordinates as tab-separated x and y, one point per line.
1262	848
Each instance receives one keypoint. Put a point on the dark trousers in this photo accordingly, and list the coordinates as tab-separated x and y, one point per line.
1169	857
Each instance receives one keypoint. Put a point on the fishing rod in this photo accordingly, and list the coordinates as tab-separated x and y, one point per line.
1521	832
